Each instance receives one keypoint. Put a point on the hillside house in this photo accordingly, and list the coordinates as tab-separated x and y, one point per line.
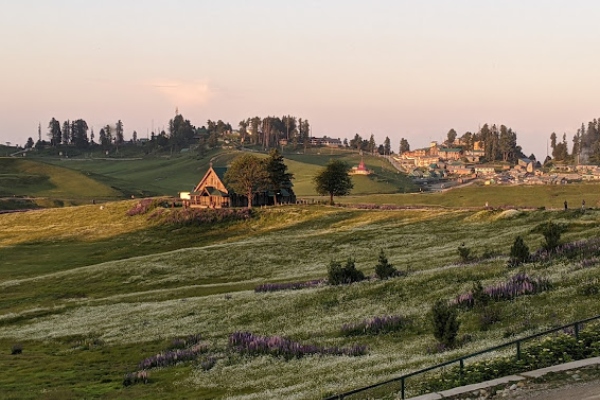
447	153
211	192
484	170
361	169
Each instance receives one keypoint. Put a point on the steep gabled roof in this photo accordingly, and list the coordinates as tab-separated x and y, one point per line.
219	184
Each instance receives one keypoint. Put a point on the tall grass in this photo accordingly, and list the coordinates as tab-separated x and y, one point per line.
136	284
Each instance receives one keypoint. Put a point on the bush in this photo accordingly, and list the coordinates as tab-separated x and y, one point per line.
445	323
278	346
589	288
480	297
208	363
384	269
518	285
375	325
519	253
136	377
338	275
16	349
464	253
552	233
488	316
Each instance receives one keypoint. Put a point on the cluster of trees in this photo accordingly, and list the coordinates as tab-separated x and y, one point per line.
249	174
586	145
268	131
75	133
370	146
69	133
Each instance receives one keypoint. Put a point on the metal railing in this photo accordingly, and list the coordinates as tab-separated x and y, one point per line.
576	326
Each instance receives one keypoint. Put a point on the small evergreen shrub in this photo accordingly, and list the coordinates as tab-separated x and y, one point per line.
445	323
338	275
464	253
519	253
384	269
480	297
552	233
16	349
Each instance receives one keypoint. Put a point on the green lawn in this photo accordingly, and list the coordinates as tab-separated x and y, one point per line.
90	292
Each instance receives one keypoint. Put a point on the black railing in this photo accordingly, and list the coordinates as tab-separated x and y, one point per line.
460	361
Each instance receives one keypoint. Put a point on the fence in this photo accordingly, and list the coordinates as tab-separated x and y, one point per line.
399	384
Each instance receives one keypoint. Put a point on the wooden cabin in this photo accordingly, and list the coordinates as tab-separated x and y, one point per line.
211	192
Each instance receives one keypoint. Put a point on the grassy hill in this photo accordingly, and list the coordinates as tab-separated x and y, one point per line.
93	287
106	178
169	175
20	177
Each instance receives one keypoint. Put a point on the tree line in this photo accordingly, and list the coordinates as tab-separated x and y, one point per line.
585	145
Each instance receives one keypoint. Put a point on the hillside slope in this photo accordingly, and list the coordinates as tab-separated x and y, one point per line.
109	296
32	178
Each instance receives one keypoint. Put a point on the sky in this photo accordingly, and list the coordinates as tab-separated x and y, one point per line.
412	69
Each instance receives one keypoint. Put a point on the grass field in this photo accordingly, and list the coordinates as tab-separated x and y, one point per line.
170	175
30	178
90	292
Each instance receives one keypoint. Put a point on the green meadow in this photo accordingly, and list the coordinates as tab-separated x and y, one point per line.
88	292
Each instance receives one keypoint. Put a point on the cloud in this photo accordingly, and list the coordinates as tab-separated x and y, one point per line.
192	93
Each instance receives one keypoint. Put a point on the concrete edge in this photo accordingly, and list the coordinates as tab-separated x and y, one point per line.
507	379
562	367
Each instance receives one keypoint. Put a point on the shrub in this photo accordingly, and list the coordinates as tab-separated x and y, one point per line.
518	285
445	323
183	342
464	253
488	316
384	269
145	205
375	325
136	377
519	253
200	217
16	349
590	288
172	357
208	363
275	287
552	233
480	297
278	346
338	275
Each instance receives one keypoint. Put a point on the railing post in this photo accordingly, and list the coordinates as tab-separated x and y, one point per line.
462	366
577	331
518	349
402	388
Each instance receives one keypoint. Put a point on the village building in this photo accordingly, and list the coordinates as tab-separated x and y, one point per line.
484	170
448	153
211	192
325	141
361	169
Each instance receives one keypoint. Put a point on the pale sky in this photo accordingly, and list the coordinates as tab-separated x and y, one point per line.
393	68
